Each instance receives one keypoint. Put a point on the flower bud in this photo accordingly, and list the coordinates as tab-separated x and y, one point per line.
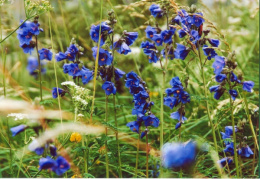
193	8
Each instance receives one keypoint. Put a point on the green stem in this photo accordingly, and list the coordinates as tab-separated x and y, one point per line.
137	154
234	136
180	174
4	58
85	154
207	104
107	169
147	156
40	67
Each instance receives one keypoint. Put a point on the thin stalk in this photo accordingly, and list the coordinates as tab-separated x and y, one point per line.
137	155
40	67
234	137
107	169
85	154
207	104
250	122
96	65
180	174
147	156
4	58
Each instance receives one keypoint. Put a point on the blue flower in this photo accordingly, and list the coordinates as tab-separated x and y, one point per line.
33	66
147	45
182	33
130	37
233	93
119	74
109	88
219	91
229	148
150	32
176	115
134	126
157	38
122	48
28	48
214	42
225	161
167	35
152	56
228	133
39	150
219	78
45	53
233	78
151	120
60	56
197	19
182	14
70	54
245	151
218	64
86	75
132	79
57	91
24	37
170	53
178	125
194	36
143	134
178	155
72	69
16	130
209	52
181	52
156	11
184	97
47	163
171	102
104	57
175	81
248	85
94	32
62	165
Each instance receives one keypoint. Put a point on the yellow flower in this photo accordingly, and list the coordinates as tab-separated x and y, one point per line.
75	137
76	176
97	162
154	94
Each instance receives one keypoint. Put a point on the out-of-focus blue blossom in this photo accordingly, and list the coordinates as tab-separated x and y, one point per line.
147	45
197	19
167	35
218	64
219	91
178	155
33	66
134	126
28	48
225	161
245	151
45	53
16	130
104	58
39	150
156	11
119	74
229	148
57	91
72	69
170	101
182	33
178	125
53	150
151	120
109	88
62	165
182	14
248	85
122	48
181	51
70	54
47	163
233	78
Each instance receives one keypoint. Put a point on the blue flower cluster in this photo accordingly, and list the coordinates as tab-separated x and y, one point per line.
242	149
142	104
178	155
59	166
175	96
25	35
58	92
227	77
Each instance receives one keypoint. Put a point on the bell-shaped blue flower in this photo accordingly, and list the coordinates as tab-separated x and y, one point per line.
47	163
245	151
86	75
134	126
209	52
104	58
178	125
147	45
45	53
132	79
57	91
62	165
229	148
53	150
94	32
225	161
156	11
248	85
171	102
150	32
181	52
109	88
218	64
119	74
233	93
233	78
176	115
167	36
214	42
122	48
219	78
16	130
198	19
151	120
219	91
157	38
130	37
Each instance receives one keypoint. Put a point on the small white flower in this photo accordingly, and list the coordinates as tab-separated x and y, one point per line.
68	83
18	116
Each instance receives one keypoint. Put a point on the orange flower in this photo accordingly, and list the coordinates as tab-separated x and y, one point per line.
75	137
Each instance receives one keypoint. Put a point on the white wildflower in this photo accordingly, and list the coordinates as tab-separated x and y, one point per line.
18	116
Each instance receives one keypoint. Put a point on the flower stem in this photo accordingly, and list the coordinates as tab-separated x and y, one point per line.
147	156
234	137
107	169
207	104
137	155
40	67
